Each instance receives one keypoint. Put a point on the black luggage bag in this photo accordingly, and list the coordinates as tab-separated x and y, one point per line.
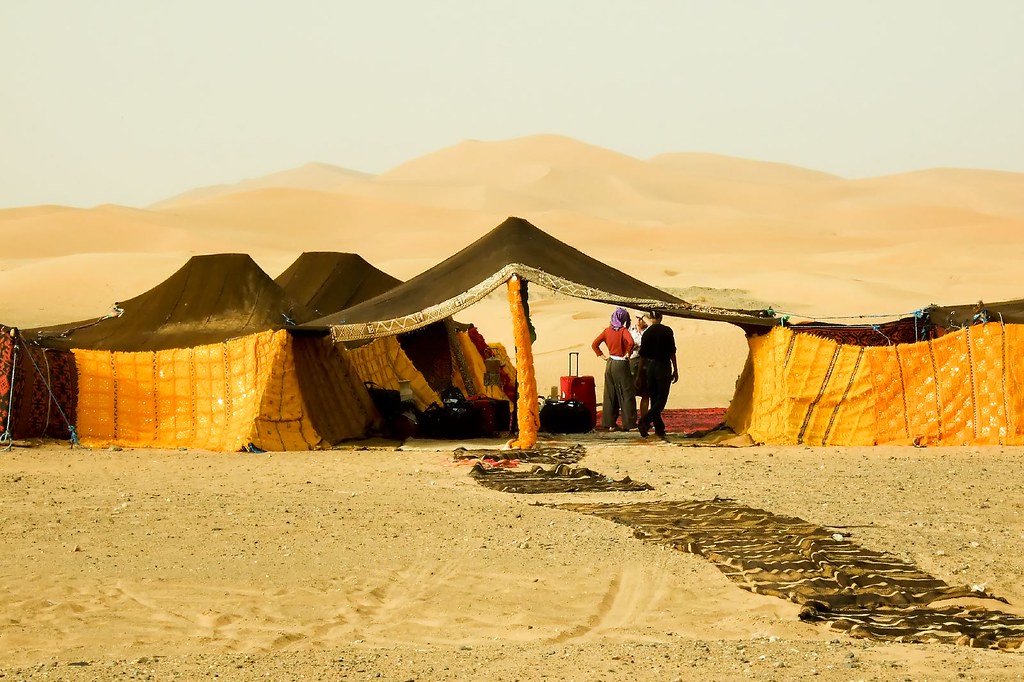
565	416
453	419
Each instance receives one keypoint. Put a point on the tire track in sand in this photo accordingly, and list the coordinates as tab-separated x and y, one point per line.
631	593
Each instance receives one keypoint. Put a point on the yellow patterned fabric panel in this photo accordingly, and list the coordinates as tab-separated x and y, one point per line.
902	411
954	384
506	362
842	410
921	394
807	371
949	391
204	397
975	401
740	410
988	353
336	400
959	389
383	362
1014	385
768	395
477	369
282	422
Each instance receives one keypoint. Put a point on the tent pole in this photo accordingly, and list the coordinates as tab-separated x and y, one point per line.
527	407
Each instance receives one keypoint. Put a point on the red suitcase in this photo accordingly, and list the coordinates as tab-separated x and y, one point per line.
490	416
583	389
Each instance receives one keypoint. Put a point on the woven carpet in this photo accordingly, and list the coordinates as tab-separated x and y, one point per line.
564	455
689	420
866	593
561	478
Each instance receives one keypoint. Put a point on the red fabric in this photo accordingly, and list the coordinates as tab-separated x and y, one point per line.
45	393
6	374
582	389
45	389
693	419
430	352
508	384
618	341
907	330
689	420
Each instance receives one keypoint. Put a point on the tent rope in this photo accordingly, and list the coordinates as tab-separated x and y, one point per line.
46	359
917	314
53	397
115	311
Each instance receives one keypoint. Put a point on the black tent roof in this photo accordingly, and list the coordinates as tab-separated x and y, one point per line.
515	247
328	281
212	298
956	316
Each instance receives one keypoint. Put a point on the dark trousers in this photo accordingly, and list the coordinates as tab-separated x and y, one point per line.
619	394
659	381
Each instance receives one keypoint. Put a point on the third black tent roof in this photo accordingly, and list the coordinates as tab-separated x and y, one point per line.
515	247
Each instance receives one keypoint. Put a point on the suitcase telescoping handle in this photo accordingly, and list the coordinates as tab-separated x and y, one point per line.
577	372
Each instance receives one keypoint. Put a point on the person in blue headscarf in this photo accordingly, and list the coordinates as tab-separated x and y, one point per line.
619	393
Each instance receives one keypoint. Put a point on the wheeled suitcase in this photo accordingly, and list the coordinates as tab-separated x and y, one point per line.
491	416
565	416
583	389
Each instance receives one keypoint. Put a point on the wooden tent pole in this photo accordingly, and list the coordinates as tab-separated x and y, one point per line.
527	407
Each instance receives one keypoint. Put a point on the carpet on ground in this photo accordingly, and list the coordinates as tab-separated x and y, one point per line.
861	591
690	419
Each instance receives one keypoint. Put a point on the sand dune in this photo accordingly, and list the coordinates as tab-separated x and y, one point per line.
520	161
732	169
316	176
269	221
996	192
104	229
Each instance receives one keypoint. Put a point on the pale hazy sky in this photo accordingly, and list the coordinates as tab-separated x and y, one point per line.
133	101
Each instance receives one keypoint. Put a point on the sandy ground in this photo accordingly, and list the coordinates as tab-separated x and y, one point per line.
395	564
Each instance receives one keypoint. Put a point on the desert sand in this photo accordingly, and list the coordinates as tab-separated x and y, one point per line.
395	564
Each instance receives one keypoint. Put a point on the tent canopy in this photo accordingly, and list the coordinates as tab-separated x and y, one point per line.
327	281
515	247
212	298
958	316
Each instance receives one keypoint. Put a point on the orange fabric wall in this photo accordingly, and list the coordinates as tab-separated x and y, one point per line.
960	389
